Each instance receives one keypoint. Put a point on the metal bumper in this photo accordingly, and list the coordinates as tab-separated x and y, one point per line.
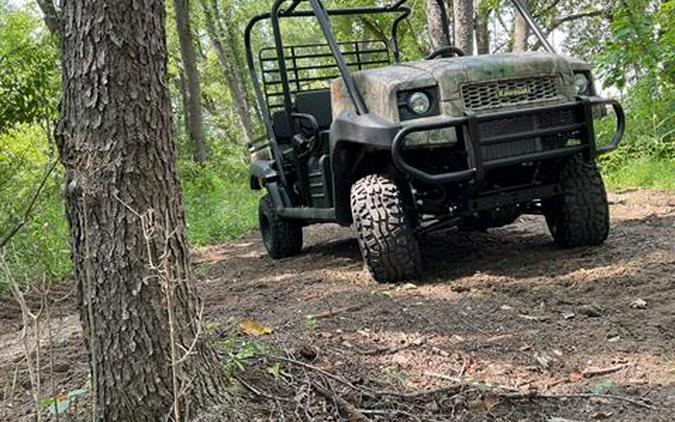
469	125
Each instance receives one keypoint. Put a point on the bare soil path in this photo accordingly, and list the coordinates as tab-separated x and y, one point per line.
504	308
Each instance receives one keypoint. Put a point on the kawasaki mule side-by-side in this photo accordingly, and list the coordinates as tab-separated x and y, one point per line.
403	150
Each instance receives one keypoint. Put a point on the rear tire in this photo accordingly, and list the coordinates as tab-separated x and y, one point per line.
385	230
580	217
282	238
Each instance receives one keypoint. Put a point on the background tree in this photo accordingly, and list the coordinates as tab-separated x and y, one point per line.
222	35
521	31
434	24
463	24
190	81
125	209
483	9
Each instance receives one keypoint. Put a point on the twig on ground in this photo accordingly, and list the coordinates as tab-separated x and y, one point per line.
335	312
261	393
453	388
390	413
590	373
316	369
510	393
558	382
393	350
353	412
558	396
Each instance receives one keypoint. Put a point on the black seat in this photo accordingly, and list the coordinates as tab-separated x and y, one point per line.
318	104
280	125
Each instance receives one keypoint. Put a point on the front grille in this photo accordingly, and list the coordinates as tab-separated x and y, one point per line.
511	92
524	124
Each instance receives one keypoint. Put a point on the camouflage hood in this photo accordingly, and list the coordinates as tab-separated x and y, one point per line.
380	87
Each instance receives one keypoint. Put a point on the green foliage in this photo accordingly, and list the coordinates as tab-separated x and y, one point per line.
29	77
639	58
240	352
41	247
642	173
219	204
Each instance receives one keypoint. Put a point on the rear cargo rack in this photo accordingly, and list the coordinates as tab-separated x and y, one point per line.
311	67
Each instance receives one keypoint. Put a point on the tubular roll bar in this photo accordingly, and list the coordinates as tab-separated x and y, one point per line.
322	15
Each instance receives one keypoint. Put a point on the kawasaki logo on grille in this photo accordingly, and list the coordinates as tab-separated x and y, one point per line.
513	92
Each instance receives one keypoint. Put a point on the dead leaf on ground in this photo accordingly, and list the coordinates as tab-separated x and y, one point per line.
254	328
543	359
593	310
489	403
568	314
639	304
534	318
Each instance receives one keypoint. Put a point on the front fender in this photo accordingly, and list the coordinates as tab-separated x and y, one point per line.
360	144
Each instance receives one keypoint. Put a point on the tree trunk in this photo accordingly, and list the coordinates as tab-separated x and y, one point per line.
482	27
125	210
228	65
183	95
191	101
463	11
52	17
435	25
520	31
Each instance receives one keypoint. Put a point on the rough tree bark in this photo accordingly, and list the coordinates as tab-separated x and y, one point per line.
191	100
482	27
228	63
52	17
125	210
463	23
435	25
521	31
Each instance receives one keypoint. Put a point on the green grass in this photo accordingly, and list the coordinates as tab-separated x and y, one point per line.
642	173
219	208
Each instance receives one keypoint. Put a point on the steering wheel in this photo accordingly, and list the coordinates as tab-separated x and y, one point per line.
446	51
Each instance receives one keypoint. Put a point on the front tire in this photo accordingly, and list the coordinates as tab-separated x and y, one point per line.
385	231
282	238
580	216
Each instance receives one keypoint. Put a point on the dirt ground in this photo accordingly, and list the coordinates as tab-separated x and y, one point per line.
519	329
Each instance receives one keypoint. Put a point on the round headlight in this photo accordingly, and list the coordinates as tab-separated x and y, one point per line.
582	83
419	103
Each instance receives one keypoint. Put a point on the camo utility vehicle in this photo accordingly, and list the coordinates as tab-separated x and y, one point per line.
403	150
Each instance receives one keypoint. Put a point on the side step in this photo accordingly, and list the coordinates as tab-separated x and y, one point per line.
312	214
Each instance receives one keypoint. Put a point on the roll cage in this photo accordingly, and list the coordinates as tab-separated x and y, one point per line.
322	15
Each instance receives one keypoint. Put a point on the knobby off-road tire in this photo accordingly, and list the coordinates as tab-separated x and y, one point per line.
580	217
384	230
282	238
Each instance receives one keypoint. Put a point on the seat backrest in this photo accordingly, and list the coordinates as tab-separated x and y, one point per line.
318	104
282	131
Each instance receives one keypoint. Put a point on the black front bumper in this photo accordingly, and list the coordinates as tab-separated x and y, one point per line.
479	140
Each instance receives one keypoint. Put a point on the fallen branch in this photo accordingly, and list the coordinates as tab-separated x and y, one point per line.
509	393
590	373
261	393
353	412
559	396
393	350
316	369
332	313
